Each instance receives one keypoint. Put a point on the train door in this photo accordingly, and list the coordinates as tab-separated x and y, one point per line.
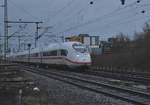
41	55
63	54
59	59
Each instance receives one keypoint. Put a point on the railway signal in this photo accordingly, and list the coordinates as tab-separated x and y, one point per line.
138	1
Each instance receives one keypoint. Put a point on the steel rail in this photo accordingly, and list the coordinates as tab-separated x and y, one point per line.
121	76
130	72
128	95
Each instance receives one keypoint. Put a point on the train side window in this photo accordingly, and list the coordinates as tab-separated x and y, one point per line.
54	53
36	55
23	56
64	52
45	54
31	55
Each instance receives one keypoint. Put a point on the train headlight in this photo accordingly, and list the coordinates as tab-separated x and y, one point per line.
77	55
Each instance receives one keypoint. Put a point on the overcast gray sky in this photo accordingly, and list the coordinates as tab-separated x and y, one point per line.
68	17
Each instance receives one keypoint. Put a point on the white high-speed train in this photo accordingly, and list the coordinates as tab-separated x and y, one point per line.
71	54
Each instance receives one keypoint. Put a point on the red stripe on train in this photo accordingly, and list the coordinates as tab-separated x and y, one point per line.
59	57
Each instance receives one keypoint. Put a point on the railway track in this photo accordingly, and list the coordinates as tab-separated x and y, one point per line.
136	97
138	78
127	72
142	78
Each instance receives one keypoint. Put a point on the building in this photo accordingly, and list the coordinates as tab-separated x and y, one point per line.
85	39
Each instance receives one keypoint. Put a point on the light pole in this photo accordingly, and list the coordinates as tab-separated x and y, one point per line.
20	97
5	28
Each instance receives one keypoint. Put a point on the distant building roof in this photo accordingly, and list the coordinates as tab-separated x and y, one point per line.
84	35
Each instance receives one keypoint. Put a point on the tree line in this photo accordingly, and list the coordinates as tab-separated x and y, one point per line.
128	52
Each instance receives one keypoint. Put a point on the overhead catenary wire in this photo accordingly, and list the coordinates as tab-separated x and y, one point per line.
59	11
134	15
115	22
64	8
112	13
72	14
23	10
19	30
99	18
117	25
128	21
90	22
116	13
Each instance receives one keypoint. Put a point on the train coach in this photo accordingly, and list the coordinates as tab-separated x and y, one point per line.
70	54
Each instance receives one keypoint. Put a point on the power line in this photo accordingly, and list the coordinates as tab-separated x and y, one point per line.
116	21
60	10
117	10
99	18
76	12
80	25
129	21
19	30
23	10
113	13
121	23
139	13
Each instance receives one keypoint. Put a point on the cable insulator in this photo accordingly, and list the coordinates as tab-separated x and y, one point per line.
143	11
123	2
91	2
138	1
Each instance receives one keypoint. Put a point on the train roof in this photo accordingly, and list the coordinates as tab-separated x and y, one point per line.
52	46
56	46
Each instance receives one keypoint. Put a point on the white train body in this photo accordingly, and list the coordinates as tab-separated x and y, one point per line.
72	54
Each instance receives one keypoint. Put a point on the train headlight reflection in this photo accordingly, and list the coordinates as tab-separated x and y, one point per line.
78	55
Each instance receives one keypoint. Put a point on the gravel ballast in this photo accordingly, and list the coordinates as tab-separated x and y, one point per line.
60	93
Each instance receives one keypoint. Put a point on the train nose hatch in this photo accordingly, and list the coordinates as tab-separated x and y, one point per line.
84	59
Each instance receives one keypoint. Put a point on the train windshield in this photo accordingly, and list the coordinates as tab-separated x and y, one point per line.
80	48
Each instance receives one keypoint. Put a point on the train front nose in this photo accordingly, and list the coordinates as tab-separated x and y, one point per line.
84	59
